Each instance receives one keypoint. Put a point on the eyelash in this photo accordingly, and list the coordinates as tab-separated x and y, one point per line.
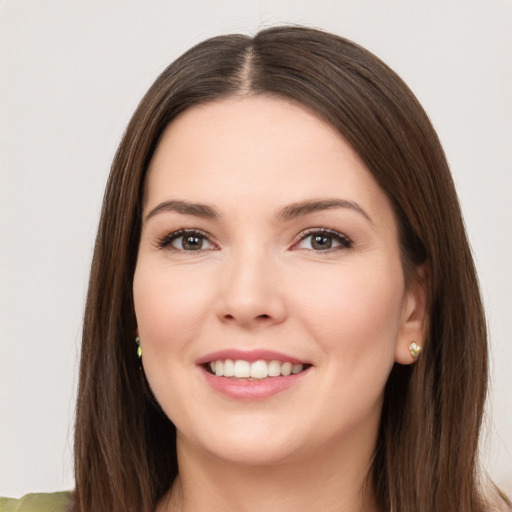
167	240
343	240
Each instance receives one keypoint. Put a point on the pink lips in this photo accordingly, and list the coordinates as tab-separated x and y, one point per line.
244	389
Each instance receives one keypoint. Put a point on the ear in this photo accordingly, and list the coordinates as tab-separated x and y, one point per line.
414	321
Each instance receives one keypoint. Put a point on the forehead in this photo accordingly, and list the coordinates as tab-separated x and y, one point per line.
258	149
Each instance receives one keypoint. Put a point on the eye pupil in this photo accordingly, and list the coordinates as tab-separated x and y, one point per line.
192	243
321	242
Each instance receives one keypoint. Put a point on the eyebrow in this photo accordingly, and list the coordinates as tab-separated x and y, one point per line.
185	208
305	207
289	212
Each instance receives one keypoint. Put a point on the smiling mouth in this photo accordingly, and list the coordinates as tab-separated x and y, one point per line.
255	370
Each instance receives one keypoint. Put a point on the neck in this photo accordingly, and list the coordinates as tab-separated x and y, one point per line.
331	481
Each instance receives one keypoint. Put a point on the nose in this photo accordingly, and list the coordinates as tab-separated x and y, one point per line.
251	294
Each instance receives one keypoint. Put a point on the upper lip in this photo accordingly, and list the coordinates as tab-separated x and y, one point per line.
249	355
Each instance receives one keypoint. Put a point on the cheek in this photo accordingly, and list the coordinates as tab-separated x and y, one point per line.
355	313
169	307
356	326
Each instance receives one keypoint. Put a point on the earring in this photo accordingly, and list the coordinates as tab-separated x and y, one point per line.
139	348
414	350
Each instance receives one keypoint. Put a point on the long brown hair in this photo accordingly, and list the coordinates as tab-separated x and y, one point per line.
426	455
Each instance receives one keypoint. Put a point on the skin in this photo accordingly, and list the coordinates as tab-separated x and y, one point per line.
259	282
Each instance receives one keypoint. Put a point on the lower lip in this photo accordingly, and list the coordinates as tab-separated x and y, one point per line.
242	389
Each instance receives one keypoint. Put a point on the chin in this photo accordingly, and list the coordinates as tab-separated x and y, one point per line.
254	454
248	444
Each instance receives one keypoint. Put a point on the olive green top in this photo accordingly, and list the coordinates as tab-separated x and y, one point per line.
39	502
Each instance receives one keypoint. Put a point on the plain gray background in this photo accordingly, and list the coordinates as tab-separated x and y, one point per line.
71	74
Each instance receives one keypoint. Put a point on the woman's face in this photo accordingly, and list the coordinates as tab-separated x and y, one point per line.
268	248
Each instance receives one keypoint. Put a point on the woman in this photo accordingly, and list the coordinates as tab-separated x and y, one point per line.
281	236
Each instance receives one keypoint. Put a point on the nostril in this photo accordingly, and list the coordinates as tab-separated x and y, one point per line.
262	317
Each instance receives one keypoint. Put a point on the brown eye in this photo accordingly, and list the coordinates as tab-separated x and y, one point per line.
323	240
187	240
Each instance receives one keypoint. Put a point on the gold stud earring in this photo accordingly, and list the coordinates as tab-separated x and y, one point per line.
414	349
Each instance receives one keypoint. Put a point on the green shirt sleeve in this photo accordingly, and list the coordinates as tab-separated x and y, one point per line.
39	502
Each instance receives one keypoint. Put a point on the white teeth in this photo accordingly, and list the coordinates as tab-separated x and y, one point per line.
256	370
259	370
242	369
229	368
286	369
296	368
274	369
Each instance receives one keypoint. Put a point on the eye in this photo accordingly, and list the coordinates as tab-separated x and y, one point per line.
323	240
187	240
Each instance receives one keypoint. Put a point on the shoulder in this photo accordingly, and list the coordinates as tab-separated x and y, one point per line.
39	502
